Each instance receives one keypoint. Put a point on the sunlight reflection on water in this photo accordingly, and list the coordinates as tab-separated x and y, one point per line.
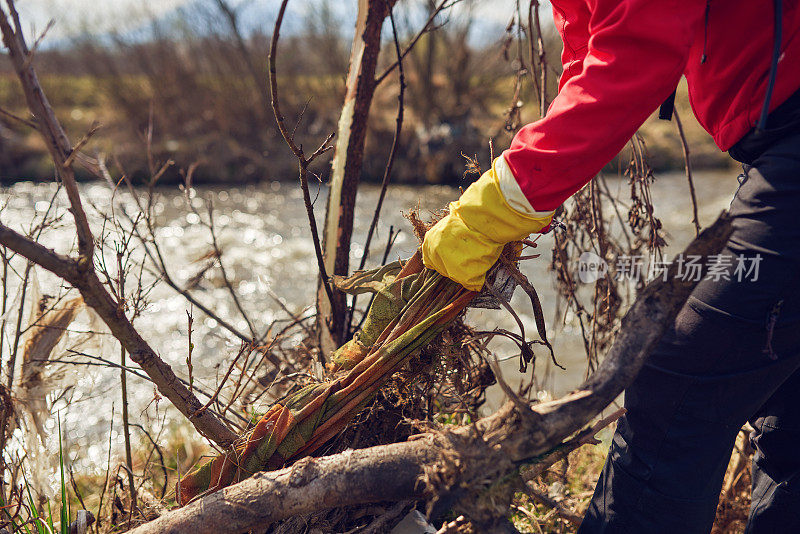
266	245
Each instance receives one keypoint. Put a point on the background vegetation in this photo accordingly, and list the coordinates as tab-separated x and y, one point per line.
197	79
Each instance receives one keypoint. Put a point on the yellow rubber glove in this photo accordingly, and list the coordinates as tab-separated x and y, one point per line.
465	244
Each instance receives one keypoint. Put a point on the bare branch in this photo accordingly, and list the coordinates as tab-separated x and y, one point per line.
62	266
534	22
81	273
584	438
96	296
273	85
438	463
56	140
302	161
225	278
559	508
11	116
38	41
81	143
442	5
393	151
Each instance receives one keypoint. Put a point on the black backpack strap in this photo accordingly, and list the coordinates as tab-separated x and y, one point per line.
666	109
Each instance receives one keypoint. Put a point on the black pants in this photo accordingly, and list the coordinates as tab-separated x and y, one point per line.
732	355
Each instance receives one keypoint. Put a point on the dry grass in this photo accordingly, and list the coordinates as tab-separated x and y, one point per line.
572	484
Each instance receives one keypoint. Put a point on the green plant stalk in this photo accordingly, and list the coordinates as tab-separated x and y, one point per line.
64	526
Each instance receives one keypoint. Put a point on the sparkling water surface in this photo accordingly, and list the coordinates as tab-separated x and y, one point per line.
263	233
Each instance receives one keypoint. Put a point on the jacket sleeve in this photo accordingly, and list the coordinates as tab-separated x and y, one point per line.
571	20
637	51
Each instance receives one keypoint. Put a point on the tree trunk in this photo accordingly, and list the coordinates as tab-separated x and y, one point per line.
347	162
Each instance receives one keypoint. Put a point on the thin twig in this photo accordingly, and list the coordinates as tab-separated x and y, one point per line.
10	115
81	143
189	366
126	431
80	273
214	397
157	258
532	45
108	470
533	21
56	140
12	361
101	362
225	278
442	5
556	506
586	437
162	463
38	41
387	173
302	162
4	306
294	316
688	162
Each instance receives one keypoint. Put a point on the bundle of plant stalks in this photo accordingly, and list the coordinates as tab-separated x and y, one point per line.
412	305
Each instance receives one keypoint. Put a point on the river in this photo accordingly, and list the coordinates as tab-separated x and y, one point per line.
266	245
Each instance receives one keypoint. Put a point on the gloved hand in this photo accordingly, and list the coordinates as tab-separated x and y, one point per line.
492	212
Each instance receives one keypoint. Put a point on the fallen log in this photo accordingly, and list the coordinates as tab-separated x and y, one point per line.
471	461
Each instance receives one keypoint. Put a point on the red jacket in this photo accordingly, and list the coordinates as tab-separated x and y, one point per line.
623	58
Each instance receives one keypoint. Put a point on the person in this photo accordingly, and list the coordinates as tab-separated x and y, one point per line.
732	354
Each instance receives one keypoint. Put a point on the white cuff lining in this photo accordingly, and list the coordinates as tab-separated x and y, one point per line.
510	189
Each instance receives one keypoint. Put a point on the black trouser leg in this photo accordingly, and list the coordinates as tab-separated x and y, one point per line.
776	465
729	352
